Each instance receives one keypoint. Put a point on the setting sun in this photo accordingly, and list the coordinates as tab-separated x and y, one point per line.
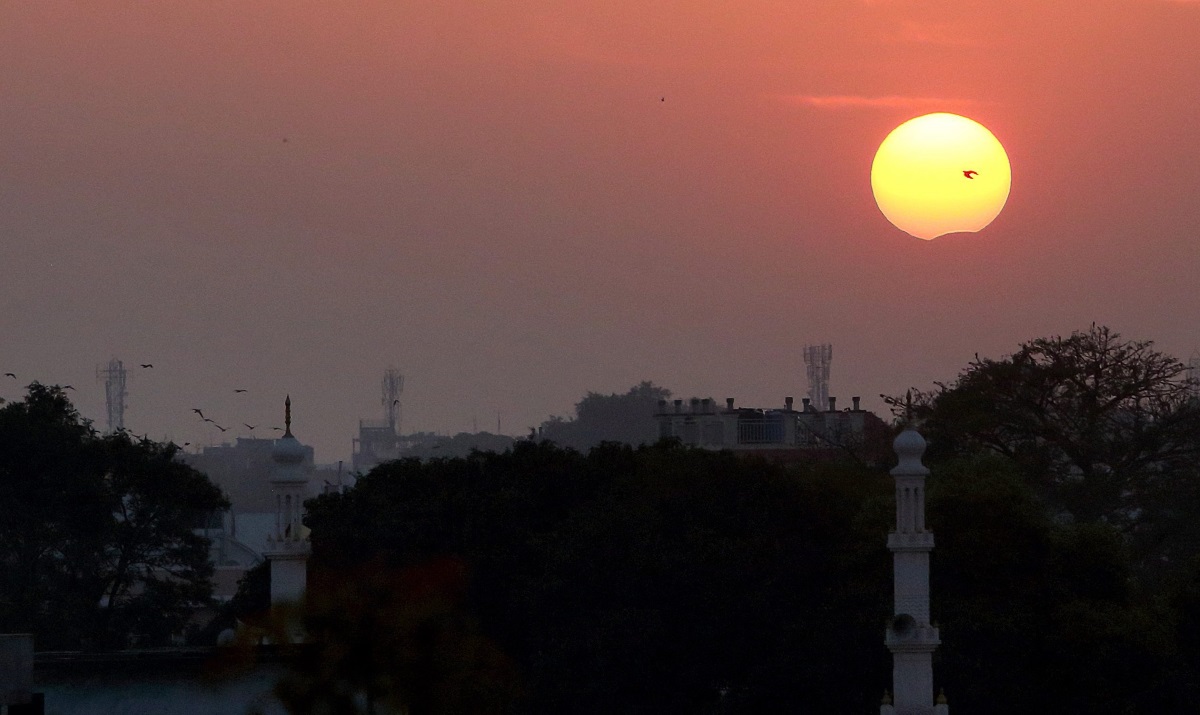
940	173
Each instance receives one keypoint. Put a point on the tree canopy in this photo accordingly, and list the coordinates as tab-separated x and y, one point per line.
669	579
1106	429
98	547
656	579
627	418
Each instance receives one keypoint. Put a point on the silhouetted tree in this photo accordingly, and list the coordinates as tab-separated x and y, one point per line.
627	418
657	579
1037	615
98	545
1105	428
668	579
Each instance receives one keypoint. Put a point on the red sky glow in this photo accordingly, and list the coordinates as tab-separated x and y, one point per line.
515	203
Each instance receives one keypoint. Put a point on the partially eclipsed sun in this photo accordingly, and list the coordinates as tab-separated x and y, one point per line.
940	173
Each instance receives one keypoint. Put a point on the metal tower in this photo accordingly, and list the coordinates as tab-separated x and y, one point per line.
393	387
816	360
114	392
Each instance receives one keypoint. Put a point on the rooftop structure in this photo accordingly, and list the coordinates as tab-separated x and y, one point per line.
775	432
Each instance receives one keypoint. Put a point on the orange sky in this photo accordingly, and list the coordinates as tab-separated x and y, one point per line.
497	202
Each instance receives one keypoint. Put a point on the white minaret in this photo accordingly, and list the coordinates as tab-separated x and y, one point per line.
910	637
287	546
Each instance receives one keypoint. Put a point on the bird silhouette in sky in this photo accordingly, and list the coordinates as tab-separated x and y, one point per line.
277	429
239	390
68	387
249	427
146	364
208	420
197	411
9	374
970	173
219	427
395	402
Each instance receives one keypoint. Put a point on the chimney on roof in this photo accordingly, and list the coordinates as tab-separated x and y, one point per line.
678	405
729	403
855	401
806	403
787	404
833	404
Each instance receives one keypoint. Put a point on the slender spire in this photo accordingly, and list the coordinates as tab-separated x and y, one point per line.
287	416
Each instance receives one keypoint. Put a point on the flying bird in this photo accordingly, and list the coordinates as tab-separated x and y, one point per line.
277	429
208	420
146	364
239	390
219	427
68	387
9	374
249	427
197	411
970	173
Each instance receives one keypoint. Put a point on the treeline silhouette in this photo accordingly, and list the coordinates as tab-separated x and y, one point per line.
667	579
627	418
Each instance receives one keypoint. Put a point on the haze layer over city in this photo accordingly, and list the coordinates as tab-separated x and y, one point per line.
517	204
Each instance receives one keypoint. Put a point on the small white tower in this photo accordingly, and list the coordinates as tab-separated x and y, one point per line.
910	637
287	546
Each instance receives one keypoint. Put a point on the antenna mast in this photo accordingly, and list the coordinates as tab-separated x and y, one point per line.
393	387
817	359
114	392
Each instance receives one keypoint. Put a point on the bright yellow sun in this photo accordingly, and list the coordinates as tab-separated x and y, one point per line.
940	173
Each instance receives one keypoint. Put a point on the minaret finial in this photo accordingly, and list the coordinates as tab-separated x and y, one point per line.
287	416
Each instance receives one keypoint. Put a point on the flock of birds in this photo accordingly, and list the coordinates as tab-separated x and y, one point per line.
197	410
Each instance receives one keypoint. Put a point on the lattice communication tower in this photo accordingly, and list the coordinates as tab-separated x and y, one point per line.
114	375
393	387
817	359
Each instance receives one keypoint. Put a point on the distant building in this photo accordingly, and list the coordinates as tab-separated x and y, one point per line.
778	433
245	471
376	443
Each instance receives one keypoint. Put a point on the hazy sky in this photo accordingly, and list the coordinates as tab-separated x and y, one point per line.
493	198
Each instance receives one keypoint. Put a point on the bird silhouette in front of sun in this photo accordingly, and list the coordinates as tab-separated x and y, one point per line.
970	173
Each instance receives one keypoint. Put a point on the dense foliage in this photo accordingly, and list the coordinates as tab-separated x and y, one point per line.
627	418
97	546
1104	430
665	579
657	579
